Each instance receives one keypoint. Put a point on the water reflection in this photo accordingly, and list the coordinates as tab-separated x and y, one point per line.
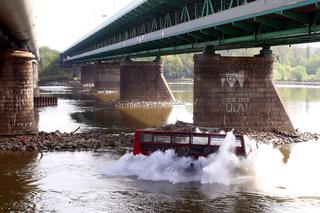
302	105
76	182
87	111
122	118
17	178
90	111
145	117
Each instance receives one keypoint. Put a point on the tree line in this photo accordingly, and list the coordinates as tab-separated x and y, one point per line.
50	69
295	63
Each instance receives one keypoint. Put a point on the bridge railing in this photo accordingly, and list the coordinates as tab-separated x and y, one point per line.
192	27
185	13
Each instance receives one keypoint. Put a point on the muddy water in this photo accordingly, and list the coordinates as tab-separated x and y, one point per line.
100	182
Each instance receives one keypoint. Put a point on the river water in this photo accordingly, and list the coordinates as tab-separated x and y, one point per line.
272	180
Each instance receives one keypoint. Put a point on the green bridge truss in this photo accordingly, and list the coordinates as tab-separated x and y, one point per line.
165	27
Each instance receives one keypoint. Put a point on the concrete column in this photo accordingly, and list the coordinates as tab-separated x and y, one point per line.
107	76
143	81
76	71
16	93
87	74
237	92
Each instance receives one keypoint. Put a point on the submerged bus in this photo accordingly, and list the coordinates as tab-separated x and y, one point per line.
186	143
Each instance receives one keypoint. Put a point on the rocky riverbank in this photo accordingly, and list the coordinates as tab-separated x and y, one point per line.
143	104
57	141
276	136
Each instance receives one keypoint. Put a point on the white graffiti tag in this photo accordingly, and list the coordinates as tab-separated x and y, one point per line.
232	78
235	104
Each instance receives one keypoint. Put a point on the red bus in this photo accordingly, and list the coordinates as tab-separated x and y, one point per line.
185	143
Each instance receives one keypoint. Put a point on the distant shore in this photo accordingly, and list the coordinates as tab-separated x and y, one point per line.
298	83
279	83
187	81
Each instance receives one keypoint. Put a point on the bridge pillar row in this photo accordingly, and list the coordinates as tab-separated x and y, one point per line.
16	92
143	81
237	92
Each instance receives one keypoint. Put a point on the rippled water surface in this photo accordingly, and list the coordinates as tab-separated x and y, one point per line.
115	181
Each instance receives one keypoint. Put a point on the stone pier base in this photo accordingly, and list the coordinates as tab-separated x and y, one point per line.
237	92
16	93
143	81
107	76
76	71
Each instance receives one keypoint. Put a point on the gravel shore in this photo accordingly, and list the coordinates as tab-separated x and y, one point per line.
275	136
57	141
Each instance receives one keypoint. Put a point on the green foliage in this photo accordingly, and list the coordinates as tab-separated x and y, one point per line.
296	63
298	73
50	69
47	57
313	63
279	72
172	66
178	66
318	73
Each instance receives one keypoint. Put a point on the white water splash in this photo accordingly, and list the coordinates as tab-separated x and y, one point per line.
264	169
220	167
300	176
216	168
158	166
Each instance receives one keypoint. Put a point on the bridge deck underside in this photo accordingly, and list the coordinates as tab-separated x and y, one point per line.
242	26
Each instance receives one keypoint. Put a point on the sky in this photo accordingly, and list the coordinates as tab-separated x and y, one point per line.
60	23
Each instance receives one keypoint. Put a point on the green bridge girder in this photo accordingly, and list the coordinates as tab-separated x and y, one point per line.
165	27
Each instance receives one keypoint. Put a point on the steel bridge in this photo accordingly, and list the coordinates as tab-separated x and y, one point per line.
163	27
17	25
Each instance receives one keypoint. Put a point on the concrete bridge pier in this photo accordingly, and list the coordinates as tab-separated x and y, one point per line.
237	92
76	71
143	81
107	76
87	74
16	92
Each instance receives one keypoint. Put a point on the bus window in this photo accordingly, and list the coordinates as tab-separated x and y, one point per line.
200	140
162	138
237	143
182	139
216	140
146	137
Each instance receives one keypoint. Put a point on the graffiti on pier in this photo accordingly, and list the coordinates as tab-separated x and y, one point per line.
232	78
235	105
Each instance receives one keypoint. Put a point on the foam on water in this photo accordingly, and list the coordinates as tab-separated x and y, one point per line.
265	169
220	167
216	168
300	176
